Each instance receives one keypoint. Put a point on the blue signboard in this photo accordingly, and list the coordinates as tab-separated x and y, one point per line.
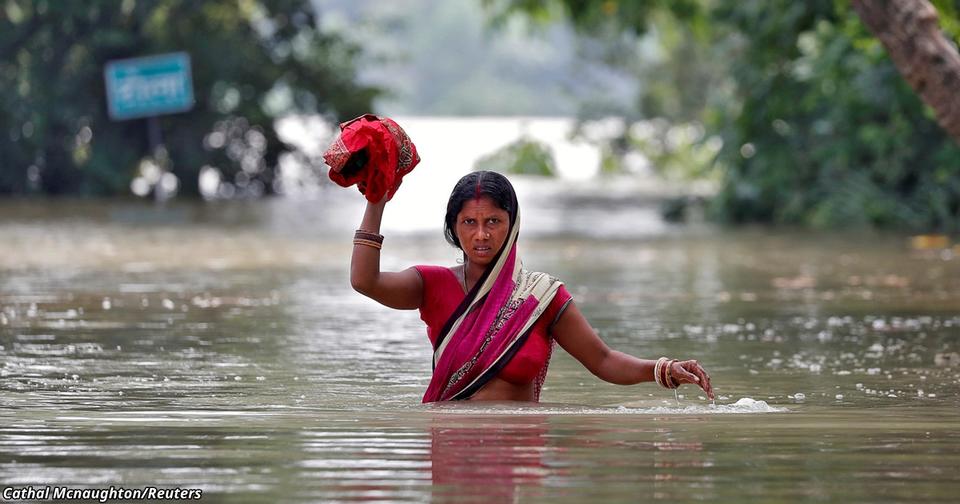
149	86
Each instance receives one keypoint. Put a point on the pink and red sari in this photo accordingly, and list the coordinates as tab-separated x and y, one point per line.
490	326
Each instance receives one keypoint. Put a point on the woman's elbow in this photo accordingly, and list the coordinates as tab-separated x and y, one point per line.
609	367
360	284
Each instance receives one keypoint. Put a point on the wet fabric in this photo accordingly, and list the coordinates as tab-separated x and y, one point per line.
490	325
443	292
373	153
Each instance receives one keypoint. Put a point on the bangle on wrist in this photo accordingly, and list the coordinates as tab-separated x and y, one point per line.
368	243
658	371
663	373
665	376
361	234
671	382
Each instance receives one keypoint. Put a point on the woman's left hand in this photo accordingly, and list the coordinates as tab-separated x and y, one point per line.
692	372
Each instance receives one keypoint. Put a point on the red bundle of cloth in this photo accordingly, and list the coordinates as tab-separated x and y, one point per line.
374	153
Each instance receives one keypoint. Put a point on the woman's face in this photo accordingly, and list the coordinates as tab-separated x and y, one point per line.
482	228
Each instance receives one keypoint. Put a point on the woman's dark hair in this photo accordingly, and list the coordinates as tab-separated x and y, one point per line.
473	185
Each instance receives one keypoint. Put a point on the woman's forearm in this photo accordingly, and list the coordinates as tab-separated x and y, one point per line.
623	369
373	216
365	261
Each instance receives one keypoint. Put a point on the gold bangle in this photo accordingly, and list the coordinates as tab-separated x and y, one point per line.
657	370
369	243
656	367
667	380
368	235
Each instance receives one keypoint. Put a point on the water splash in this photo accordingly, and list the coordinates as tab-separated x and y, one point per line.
744	405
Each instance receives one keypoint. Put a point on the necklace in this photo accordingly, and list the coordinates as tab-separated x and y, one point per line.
465	279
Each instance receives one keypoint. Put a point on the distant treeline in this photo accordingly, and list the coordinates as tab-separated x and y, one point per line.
798	112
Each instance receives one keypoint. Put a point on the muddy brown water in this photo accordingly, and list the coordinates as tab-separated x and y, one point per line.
220	347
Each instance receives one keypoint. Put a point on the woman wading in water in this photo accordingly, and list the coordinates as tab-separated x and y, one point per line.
492	323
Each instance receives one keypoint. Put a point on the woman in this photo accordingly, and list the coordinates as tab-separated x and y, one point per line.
491	322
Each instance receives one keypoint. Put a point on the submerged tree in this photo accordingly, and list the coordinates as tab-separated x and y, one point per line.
252	61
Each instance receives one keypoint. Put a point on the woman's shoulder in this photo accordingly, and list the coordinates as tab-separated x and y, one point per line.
441	293
429	272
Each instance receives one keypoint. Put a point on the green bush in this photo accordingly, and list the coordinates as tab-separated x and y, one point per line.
523	157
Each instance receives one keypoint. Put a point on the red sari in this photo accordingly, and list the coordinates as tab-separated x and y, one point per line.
443	292
491	325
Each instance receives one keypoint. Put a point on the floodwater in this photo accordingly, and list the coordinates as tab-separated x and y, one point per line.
220	347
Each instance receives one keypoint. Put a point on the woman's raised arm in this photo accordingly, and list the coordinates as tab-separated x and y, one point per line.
401	290
574	334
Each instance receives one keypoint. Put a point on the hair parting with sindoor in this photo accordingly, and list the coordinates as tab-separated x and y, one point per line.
474	185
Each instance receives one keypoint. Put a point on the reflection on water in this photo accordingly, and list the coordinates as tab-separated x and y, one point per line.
221	347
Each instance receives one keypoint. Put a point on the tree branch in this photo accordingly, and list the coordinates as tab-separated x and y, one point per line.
926	58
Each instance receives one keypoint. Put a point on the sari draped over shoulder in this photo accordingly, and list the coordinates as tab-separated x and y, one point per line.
490	325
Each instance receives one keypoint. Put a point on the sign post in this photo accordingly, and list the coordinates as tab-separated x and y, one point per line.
147	87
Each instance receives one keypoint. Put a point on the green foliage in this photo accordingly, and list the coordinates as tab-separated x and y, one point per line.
597	15
677	71
252	61
824	131
678	151
949	15
817	126
523	157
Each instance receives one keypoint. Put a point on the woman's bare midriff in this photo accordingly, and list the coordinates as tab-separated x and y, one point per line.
502	390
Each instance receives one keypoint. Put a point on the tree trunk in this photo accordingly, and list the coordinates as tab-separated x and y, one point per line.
926	58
